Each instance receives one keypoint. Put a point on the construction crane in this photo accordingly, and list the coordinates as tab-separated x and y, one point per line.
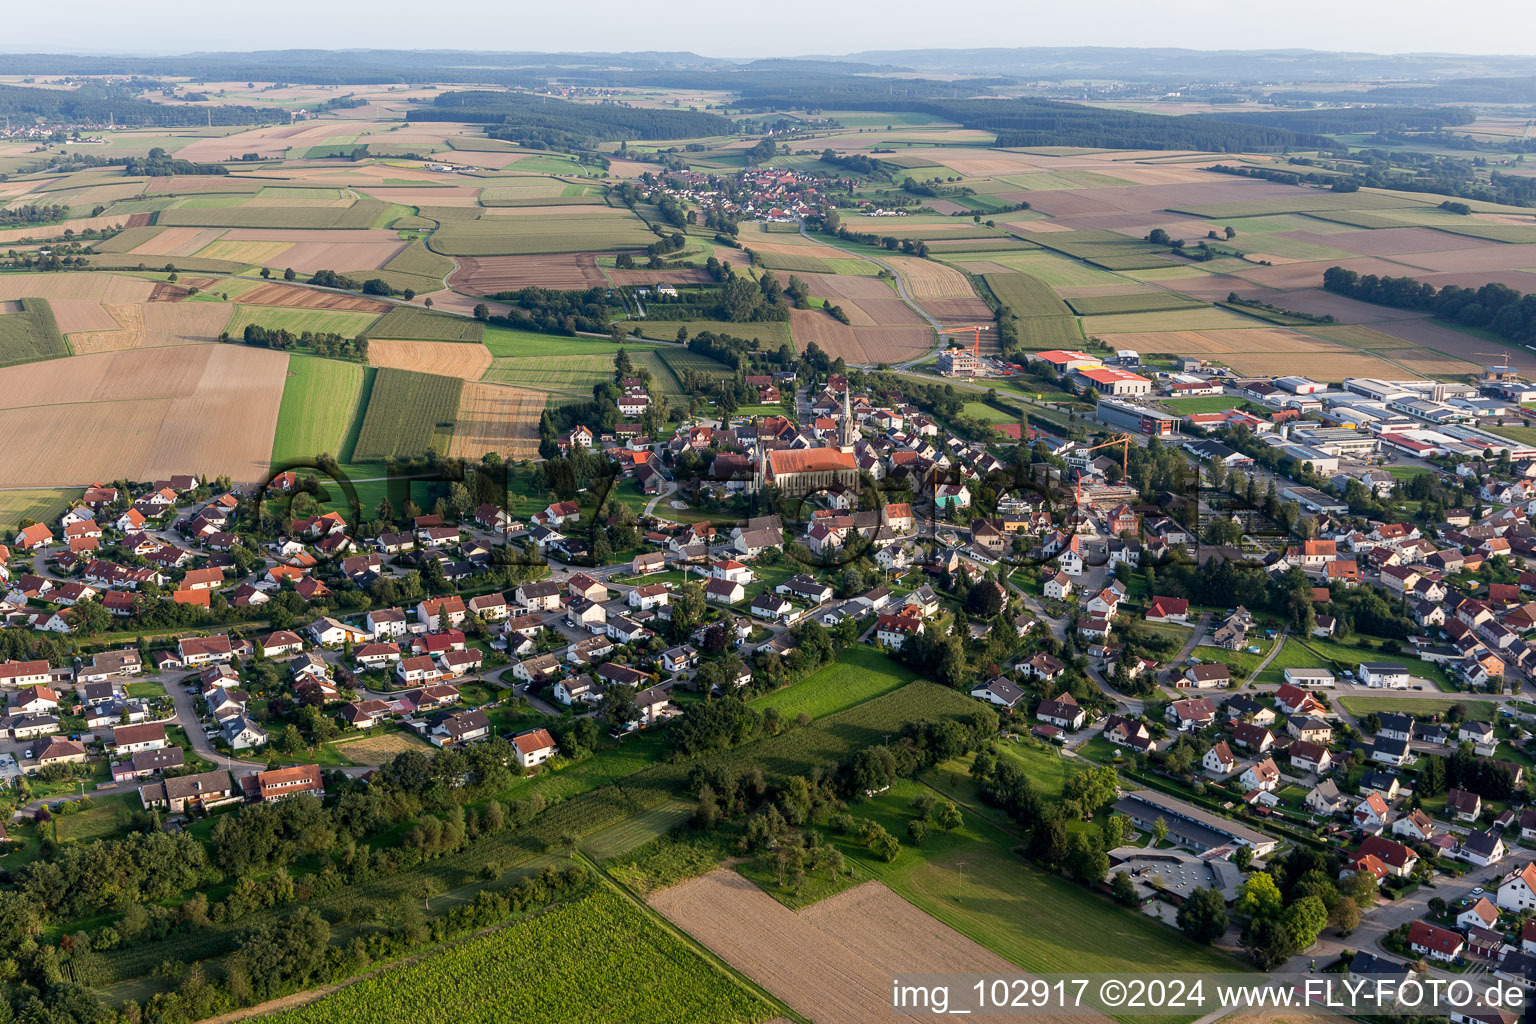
975	336
1124	440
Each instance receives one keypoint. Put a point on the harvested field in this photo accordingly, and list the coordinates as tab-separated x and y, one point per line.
155	324
1222	342
272	294
942	290
177	242
244	252
832	961
142	414
308	257
865	345
465	360
496	418
868	301
491	274
1345	310
79	224
1395	241
1468	347
1333	366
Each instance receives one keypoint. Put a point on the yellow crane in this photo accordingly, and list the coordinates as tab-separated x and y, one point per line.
1124	440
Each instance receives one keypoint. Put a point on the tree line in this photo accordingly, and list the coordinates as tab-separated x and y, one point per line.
1495	307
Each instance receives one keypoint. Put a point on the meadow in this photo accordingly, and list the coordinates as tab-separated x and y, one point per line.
298	320
321	399
1476	710
408	415
859	674
40	504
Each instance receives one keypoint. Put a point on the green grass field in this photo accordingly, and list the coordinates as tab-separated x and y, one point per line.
297	320
408	414
321	399
1026	296
1203	403
1137	302
595	958
622	837
859	674
1352	655
1042	333
1477	710
406	323
40	503
28	333
1292	655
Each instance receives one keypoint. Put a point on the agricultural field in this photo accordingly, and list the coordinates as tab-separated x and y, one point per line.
407	323
500	419
573	232
166	409
860	674
408	415
28	332
545	968
448	358
41	504
832	961
321	400
298	320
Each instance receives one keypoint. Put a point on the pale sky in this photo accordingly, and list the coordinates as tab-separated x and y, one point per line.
783	28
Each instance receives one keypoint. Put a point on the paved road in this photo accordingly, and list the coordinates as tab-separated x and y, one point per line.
901	289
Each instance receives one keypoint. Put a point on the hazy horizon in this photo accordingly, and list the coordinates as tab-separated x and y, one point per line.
793	28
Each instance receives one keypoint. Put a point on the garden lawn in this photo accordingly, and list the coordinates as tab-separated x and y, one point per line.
1477	710
859	674
1292	655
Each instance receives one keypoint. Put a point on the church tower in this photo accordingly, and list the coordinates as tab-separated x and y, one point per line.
845	431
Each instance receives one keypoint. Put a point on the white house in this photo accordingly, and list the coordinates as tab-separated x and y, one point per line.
534	747
1219	760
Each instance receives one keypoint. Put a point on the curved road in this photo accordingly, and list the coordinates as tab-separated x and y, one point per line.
901	289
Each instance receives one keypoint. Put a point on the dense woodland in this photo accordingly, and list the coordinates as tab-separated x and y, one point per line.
1495	307
1348	120
524	118
95	103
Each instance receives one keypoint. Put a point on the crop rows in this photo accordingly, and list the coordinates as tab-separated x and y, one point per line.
28	332
405	323
408	415
597	958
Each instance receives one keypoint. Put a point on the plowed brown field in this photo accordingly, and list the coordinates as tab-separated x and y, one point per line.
833	961
309	298
487	275
141	414
445	358
497	418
